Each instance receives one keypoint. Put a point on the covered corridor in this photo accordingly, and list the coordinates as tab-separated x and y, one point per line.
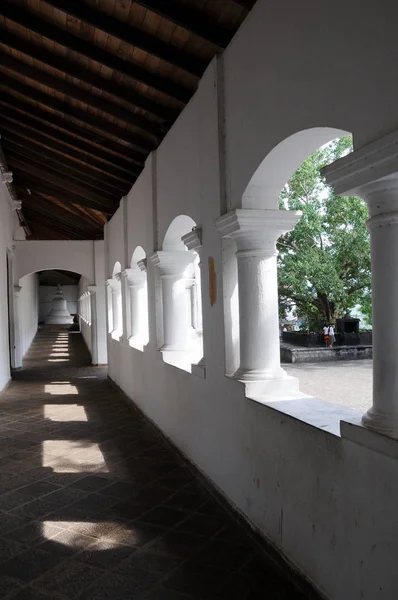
95	504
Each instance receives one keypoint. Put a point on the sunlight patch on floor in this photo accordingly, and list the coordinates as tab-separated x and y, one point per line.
61	413
60	389
68	456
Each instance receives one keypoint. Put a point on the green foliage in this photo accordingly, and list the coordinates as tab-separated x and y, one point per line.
324	263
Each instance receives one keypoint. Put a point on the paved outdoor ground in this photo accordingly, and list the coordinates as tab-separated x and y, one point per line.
341	382
95	505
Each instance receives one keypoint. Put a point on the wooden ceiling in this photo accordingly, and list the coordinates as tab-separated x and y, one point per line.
88	88
53	278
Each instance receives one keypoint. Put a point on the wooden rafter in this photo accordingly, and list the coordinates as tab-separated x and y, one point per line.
190	19
131	35
64	183
64	144
36	186
103	126
98	178
64	87
27	19
68	67
69	169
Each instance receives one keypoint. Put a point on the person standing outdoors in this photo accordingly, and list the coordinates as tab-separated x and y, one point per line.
328	335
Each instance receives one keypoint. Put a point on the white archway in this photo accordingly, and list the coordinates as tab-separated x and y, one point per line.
275	170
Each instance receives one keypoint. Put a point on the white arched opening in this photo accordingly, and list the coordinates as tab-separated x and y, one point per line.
180	338
136	293
114	303
250	266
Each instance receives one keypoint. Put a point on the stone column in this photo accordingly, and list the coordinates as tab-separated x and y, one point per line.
92	289
255	233
172	267
372	173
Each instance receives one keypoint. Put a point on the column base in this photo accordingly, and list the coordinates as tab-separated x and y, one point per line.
259	375
384	423
171	348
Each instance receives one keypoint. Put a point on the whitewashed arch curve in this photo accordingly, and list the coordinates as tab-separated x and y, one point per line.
278	166
179	226
117	267
74	256
138	254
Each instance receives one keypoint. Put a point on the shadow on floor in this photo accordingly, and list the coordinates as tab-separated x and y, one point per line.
94	504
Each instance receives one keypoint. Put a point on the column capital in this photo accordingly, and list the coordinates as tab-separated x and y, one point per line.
133	276
143	264
371	163
172	262
257	230
112	283
193	239
92	289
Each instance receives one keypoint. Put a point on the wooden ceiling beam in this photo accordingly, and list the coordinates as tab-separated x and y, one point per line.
190	19
64	87
60	128
28	150
34	186
30	21
131	35
102	125
63	230
68	67
14	151
62	145
71	216
49	175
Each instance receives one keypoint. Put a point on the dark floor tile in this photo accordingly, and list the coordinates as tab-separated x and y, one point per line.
92	483
33	533
29	565
106	554
8	585
163	516
117	586
160	593
203	583
149	561
179	543
69	579
203	525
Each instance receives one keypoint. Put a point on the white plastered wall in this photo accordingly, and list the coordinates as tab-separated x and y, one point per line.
100	353
6	246
329	505
28	309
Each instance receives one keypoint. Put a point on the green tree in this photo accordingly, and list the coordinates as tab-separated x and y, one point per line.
324	263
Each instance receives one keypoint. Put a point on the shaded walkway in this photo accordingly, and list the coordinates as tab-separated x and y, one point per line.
95	505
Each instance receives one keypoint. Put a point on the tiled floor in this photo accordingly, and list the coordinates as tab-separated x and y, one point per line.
95	506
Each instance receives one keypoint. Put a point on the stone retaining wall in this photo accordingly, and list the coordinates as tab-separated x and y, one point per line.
290	354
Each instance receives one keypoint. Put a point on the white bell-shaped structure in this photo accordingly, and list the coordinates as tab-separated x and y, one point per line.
58	314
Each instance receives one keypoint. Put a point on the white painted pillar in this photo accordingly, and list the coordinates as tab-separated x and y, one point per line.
115	307
193	242
172	266
17	358
255	233
92	315
136	309
372	173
